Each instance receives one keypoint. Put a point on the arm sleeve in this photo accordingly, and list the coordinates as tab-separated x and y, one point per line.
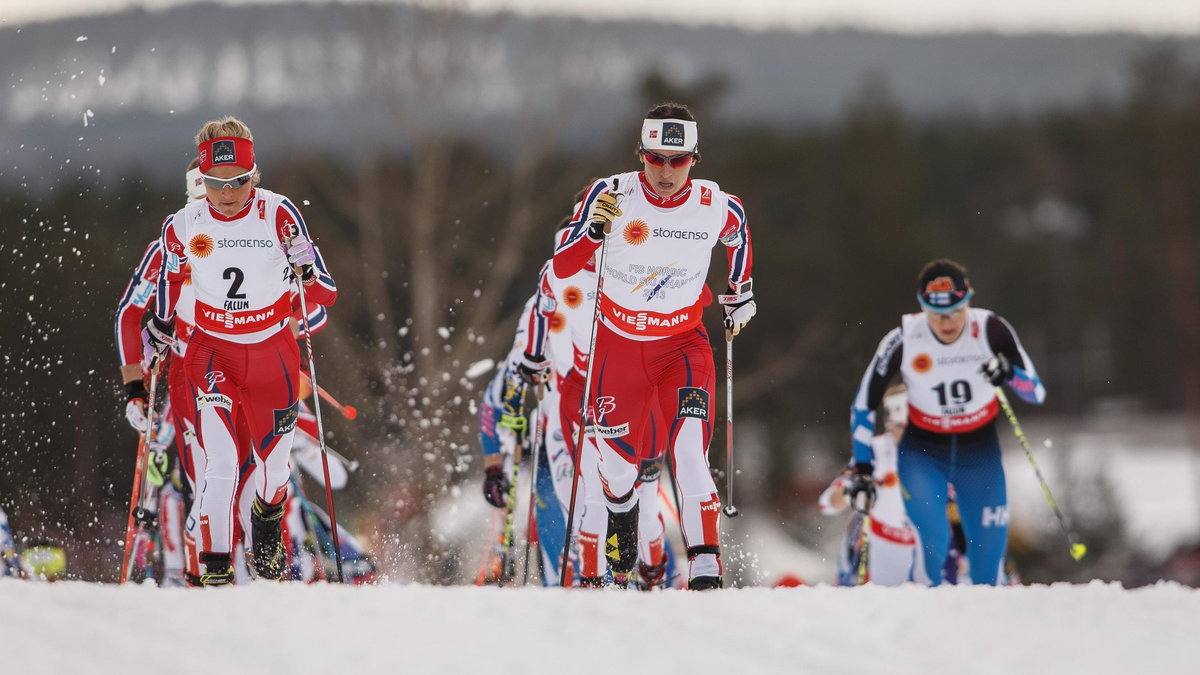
538	322
133	305
323	291
736	237
577	247
883	368
1025	381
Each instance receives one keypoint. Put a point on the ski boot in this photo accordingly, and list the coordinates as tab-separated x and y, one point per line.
704	563
217	570
621	546
266	525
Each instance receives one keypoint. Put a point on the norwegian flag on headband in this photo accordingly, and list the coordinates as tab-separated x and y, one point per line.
226	151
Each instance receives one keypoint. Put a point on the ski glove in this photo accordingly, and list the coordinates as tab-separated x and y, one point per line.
860	488
997	370
302	258
739	308
157	337
534	370
495	486
135	407
604	210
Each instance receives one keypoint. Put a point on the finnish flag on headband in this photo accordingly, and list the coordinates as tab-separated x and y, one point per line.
669	135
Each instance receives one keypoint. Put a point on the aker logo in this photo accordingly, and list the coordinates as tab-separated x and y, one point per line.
214	401
201	246
285	420
636	232
223	153
650	469
612	432
922	363
673	134
693	402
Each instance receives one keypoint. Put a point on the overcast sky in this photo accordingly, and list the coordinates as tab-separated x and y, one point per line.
1152	16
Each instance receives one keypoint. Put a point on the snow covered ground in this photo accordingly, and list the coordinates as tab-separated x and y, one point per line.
1096	629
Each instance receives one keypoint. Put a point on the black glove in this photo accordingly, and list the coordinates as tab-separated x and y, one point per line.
495	486
135	404
604	210
157	338
997	370
534	371
861	487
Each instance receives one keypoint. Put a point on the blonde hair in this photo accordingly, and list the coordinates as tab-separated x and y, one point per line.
230	127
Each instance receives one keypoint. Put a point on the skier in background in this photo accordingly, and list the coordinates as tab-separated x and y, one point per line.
951	357
890	538
176	421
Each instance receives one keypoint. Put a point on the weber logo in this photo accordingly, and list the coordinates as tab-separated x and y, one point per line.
214	401
612	432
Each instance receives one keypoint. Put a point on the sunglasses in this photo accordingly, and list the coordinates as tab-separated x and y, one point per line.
231	183
676	161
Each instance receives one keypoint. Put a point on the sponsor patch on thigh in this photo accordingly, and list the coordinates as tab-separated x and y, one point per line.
285	420
693	402
650	469
213	401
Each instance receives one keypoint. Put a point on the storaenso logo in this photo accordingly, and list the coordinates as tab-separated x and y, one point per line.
673	134
679	234
245	243
223	153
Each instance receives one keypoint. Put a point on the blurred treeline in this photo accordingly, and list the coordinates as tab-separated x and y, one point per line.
1079	225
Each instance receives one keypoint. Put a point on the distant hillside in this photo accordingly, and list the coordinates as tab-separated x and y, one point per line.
126	91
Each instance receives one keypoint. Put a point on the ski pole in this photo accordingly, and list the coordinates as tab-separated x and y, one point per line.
507	561
577	451
537	447
1078	549
730	510
312	375
864	548
351	464
347	411
136	512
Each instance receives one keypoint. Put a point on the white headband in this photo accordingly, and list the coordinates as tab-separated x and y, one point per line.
670	135
195	184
